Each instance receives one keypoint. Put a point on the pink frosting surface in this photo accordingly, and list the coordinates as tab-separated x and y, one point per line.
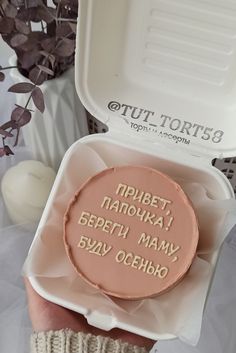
131	231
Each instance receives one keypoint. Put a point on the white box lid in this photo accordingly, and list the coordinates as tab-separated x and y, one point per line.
163	70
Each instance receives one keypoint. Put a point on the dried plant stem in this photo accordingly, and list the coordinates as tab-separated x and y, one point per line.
25	107
42	26
29	23
8	68
4	137
29	99
18	129
58	12
30	96
17	138
2	10
61	19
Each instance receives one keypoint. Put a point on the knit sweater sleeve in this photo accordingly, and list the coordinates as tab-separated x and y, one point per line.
67	341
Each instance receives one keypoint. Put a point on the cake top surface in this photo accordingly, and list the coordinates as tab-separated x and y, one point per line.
131	232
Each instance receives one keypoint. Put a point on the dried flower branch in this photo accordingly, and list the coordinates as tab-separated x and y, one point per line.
42	54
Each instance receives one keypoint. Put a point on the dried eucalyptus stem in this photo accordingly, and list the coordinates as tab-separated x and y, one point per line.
42	54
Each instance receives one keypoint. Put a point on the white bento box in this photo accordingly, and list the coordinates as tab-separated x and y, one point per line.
160	74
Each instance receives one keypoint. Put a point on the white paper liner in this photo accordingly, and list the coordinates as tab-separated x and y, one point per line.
179	311
219	321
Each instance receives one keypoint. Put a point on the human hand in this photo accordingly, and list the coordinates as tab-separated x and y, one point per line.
46	316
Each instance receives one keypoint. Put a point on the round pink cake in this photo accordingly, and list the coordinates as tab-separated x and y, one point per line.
131	232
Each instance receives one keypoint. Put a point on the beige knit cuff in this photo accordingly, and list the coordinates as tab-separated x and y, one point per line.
67	341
